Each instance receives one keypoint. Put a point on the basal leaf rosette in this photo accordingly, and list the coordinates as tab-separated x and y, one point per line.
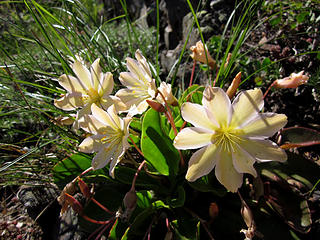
231	136
88	87
140	86
109	137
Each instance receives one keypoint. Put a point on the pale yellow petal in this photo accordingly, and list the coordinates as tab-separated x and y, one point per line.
196	115
243	161
218	104
130	80
107	85
105	155
96	73
192	138
92	125
130	98
264	125
102	116
143	62
202	162
69	102
82	74
226	174
80	115
71	84
264	150
118	153
114	117
91	144
246	106
135	68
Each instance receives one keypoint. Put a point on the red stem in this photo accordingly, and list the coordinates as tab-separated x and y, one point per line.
192	73
136	175
96	221
101	206
265	94
136	147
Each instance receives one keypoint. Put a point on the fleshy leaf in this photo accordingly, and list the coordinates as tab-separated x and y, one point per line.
299	137
157	147
193	94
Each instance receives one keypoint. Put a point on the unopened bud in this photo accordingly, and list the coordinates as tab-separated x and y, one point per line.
247	214
228	60
156	106
234	85
200	53
213	210
74	203
130	200
293	81
166	93
84	188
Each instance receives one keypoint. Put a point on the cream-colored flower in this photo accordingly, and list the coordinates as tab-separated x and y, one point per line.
199	54
232	137
109	139
86	88
165	89
293	81
139	83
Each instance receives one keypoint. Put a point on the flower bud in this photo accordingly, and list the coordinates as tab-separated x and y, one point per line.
165	89
130	200
200	53
74	203
156	106
234	85
293	81
228	60
213	210
84	188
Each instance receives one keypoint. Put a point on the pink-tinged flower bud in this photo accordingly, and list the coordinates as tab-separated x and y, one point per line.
199	52
234	85
74	203
293	81
228	60
156	106
130	200
213	210
84	188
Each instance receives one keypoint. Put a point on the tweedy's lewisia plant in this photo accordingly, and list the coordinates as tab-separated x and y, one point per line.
109	139
87	88
139	82
232	137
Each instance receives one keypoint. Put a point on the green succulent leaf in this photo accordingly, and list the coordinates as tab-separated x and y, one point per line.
157	147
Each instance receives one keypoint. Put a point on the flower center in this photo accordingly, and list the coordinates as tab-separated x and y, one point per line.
93	94
227	137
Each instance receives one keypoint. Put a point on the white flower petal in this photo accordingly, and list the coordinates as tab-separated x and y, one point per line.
131	81
96	73
226	174
264	125
202	162
114	117
218	104
106	86
71	84
143	62
264	150
119	152
70	101
196	115
105	155
243	161
246	106
80	115
91	144
138	70
192	138
92	125
103	116
130	98
82	74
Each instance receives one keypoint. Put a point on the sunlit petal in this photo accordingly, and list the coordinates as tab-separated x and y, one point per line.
202	162
82	74
218	103
226	173
92	125
243	161
69	102
102	116
118	153
106	86
96	73
196	115
91	144
265	125
192	138
264	150
246	106
71	84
